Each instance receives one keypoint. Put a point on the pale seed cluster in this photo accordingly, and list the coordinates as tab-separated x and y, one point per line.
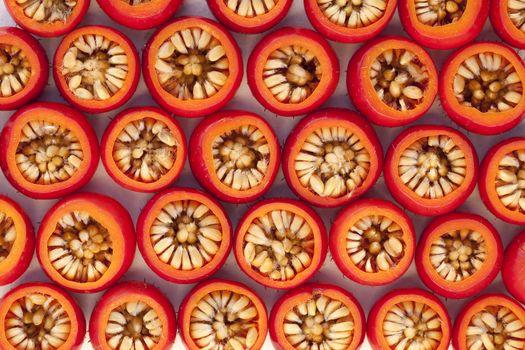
495	328
459	254
510	181
279	245
48	153
224	320
353	13
241	157
133	325
80	248
433	166
321	323
488	82
15	70
375	243
37	322
186	234
192	64
516	11
95	67
292	73
145	150
399	78
250	8
412	325
333	162
7	235
48	11
440	12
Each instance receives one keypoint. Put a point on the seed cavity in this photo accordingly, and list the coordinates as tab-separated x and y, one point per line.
95	67
437	13
37	322
292	73
510	181
375	243
495	328
192	64
250	8
136	2
319	323
145	150
399	78
224	320
133	325
186	234
7	235
412	325
279	245
332	162
48	11
459	254
433	166
353	13
516	11
488	82
48	153
241	157
15	70
80	248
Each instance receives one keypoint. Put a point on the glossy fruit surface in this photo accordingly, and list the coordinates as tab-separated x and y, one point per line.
514	266
507	21
459	255
289	78
332	157
210	61
96	68
400	86
133	313
184	235
24	66
431	169
86	242
284	233
144	149
48	150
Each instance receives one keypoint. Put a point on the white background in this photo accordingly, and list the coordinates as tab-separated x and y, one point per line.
102	183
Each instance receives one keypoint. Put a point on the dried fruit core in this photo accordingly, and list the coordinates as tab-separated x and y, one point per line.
412	325
224	320
133	325
7	235
459	254
510	181
399	78
15	70
375	243
332	162
353	13
319	323
438	13
186	234
433	166
145	150
48	11
279	245
192	64
488	82
80	248
95	67
48	153
516	11
37	322
250	8
241	157
292	73
495	328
